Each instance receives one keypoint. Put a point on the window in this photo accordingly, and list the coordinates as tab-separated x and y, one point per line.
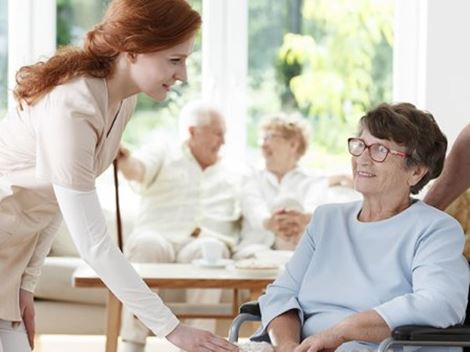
3	57
75	18
303	59
154	120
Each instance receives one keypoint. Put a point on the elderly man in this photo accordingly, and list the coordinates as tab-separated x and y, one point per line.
187	196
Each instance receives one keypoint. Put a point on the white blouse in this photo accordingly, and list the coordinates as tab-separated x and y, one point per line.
262	193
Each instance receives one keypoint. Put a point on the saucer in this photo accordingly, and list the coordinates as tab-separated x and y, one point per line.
279	257
255	267
220	264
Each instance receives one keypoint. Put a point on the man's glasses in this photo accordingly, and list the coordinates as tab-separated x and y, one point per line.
378	152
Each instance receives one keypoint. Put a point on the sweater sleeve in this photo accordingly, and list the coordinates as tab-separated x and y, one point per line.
440	281
84	218
282	295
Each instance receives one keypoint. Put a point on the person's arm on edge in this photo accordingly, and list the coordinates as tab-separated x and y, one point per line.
84	218
284	331
364	326
455	177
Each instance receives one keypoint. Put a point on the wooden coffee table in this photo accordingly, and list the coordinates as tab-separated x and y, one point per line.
175	276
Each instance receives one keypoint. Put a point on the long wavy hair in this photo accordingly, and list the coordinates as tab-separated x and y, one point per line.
134	26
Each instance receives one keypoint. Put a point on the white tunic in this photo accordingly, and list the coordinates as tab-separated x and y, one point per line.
177	196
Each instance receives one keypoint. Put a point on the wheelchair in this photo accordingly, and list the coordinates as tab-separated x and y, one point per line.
408	335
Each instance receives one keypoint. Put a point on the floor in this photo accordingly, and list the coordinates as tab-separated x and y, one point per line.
88	343
80	343
96	343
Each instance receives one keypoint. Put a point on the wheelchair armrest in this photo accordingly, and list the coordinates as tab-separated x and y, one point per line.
428	333
251	307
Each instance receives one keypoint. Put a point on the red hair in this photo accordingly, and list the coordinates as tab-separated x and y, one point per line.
134	26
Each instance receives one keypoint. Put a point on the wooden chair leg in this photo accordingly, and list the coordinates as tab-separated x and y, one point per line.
113	322
235	303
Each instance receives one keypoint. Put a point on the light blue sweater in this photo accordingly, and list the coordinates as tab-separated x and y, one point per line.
409	268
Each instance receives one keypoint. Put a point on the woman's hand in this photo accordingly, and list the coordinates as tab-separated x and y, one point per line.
195	340
27	314
327	341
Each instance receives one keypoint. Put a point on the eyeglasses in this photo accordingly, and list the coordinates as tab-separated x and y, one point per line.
378	152
270	136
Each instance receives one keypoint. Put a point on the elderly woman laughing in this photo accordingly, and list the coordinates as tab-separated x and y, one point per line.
363	268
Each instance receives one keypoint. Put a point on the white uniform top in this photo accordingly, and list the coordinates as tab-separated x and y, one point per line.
177	196
66	139
262	193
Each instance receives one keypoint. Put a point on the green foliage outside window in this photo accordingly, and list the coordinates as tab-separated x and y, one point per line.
346	63
339	66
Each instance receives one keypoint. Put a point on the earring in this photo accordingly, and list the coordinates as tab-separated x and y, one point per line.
131	56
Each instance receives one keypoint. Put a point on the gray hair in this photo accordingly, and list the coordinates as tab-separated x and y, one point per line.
195	113
290	126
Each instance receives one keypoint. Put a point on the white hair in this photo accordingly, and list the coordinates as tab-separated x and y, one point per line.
195	113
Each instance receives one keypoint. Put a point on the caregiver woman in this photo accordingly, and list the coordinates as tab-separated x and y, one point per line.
72	110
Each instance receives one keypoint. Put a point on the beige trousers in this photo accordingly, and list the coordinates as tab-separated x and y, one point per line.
150	247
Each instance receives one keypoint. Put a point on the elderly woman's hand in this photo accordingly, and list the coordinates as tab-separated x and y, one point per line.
291	224
327	341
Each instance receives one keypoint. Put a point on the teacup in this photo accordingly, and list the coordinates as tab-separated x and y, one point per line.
212	250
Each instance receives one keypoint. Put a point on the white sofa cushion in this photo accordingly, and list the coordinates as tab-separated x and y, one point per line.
63	245
56	283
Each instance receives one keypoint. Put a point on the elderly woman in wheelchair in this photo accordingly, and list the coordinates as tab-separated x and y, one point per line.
364	268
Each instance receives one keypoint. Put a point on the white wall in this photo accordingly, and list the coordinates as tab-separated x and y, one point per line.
31	35
432	59
225	66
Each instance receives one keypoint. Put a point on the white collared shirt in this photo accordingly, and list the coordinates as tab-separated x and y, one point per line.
177	196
